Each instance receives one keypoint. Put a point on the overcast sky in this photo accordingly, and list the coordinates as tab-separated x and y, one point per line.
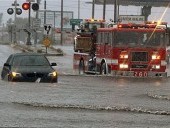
85	9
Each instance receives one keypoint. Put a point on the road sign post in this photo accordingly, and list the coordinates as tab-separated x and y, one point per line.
46	42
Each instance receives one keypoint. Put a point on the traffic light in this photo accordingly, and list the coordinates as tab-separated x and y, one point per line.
35	7
18	11
10	11
26	6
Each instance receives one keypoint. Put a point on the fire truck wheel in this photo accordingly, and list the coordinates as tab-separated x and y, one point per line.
103	69
81	66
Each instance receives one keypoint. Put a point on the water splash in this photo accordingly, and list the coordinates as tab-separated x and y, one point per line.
96	108
38	80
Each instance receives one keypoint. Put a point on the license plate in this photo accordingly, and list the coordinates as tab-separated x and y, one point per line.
140	74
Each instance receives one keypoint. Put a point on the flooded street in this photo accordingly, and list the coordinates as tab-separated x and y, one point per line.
85	101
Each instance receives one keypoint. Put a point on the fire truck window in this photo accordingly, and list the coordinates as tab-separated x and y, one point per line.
86	27
144	37
161	38
126	38
153	39
94	28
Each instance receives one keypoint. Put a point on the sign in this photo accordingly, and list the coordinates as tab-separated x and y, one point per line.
75	21
46	42
47	29
36	23
54	18
125	19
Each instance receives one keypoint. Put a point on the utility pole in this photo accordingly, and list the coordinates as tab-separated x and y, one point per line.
93	8
15	4
104	9
61	23
29	26
45	11
115	11
78	9
27	6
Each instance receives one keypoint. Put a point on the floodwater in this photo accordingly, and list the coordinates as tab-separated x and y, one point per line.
84	101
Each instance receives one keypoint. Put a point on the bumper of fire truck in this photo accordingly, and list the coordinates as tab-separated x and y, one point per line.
139	74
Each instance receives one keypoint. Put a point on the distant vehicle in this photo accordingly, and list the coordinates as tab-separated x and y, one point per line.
84	45
29	67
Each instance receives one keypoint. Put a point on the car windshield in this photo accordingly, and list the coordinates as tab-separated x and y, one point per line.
30	60
143	39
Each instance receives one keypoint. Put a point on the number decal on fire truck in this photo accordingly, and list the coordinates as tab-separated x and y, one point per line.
140	74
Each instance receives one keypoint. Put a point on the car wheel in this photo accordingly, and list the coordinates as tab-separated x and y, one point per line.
9	78
55	80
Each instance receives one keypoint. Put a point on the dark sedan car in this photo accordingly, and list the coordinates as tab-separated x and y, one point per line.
31	67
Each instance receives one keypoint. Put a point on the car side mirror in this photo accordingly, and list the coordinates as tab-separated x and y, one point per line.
53	64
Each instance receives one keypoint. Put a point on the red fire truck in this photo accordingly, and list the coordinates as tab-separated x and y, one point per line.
136	50
84	45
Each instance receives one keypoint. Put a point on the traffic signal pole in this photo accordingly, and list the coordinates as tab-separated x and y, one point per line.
45	11
93	8
61	38
15	36
15	4
36	35
29	26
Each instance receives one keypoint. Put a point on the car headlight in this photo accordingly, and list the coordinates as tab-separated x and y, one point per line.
53	74
15	74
